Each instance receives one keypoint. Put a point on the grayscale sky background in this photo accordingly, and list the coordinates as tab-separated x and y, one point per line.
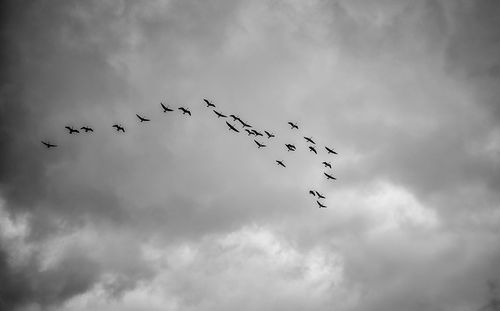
181	214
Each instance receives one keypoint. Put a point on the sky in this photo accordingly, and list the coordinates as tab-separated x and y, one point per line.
180	213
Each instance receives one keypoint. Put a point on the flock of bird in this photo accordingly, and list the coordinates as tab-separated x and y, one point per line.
251	131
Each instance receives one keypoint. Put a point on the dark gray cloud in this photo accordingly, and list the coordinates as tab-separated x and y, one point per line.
181	214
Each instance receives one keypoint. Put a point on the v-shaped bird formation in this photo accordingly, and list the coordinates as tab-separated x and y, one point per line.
235	126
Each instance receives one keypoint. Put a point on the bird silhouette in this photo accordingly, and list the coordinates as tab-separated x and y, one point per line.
118	128
290	147
184	111
330	150
165	109
219	115
327	164
72	130
243	123
48	145
232	128
257	133
320	205
312	192
329	176
320	195
311	148
293	125
259	145
309	139
269	135
250	132
209	104
234	117
280	163
87	129
142	119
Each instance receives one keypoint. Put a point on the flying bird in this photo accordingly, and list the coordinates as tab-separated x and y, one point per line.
243	123
320	205
87	129
329	176
280	163
293	125
250	132
309	139
259	145
165	109
232	128
269	135
184	111
219	115
234	117
327	164
290	147
330	150
209	104
142	119
257	133
72	130
118	128
312	192
311	148
320	195
48	145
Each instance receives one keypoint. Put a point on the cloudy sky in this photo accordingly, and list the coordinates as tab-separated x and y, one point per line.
181	214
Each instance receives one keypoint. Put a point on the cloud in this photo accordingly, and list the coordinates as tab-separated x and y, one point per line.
179	213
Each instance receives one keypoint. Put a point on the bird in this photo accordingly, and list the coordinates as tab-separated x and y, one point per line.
259	145
293	125
232	128
330	150
184	111
72	130
280	163
269	135
320	195
209	104
311	148
165	109
118	128
243	123
219	115
309	139
329	176
250	132
87	129
48	145
312	192
320	205
256	133
290	147
234	117
142	119
327	164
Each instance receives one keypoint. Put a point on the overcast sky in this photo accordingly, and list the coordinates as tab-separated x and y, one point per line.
179	213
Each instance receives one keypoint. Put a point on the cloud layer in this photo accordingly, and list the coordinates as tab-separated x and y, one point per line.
180	214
